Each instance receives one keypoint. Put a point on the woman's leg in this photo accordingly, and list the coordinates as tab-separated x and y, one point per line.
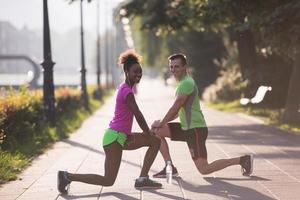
113	155
138	140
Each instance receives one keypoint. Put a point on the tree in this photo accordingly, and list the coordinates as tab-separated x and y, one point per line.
275	22
281	30
167	23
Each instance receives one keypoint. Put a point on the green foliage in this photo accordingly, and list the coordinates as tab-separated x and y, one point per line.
24	133
232	106
160	15
260	28
274	23
152	45
269	116
228	87
203	49
10	165
279	27
19	108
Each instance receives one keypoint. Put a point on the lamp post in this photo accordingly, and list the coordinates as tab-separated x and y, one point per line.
98	52
84	94
48	86
106	43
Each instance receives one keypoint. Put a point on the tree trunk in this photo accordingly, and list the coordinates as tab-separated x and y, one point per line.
291	112
247	54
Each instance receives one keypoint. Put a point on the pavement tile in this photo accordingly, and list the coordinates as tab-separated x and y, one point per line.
276	173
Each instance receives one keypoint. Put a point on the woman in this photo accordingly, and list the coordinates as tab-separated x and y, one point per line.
118	136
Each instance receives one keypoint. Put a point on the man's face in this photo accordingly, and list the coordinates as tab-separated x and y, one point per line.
177	68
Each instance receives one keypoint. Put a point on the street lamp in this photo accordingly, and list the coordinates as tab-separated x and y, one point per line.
98	47
84	95
48	86
106	47
99	89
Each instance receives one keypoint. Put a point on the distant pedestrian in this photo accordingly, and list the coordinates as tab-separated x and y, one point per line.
166	75
118	136
192	128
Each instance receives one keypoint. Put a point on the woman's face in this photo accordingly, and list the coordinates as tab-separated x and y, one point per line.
134	74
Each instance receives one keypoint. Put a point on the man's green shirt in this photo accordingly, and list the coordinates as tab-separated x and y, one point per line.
190	114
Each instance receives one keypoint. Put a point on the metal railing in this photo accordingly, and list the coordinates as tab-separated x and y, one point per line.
33	82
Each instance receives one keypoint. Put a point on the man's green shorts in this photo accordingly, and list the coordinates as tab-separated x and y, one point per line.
111	135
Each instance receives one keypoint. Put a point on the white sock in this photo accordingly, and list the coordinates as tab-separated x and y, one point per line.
169	161
141	178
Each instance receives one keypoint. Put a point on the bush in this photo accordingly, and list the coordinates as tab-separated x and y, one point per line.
23	131
21	117
228	87
20	113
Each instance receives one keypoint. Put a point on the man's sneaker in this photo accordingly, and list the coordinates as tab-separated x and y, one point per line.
63	182
163	174
146	183
246	163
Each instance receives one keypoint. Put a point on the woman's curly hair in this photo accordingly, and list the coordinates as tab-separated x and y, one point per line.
128	58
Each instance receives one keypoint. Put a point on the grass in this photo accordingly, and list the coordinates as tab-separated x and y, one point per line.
269	116
13	162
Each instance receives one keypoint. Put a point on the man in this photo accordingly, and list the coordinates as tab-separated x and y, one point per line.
192	127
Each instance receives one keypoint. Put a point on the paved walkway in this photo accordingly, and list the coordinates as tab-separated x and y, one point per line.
276	174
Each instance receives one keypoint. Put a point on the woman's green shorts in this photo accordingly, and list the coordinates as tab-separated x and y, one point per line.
111	135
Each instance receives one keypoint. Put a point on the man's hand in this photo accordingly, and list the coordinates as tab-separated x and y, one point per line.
156	124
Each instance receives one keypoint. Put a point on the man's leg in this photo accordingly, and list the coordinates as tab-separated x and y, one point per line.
206	168
113	155
162	133
197	146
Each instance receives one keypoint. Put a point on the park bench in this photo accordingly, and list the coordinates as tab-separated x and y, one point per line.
259	96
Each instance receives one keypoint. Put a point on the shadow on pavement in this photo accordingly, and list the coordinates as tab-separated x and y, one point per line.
117	195
260	135
270	134
97	195
251	178
164	195
219	187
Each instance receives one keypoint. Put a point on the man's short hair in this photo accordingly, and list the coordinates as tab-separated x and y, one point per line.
181	56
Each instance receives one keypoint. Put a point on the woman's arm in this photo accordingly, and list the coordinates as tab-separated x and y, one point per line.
130	100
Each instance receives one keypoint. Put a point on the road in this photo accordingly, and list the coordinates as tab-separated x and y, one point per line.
276	172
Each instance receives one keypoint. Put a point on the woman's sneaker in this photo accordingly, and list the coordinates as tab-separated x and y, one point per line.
246	163
63	182
163	173
146	183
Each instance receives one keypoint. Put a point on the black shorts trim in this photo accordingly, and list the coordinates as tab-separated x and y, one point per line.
195	139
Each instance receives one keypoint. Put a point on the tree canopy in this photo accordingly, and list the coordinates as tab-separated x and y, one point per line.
260	28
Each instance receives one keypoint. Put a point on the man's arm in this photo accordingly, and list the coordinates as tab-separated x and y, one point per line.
174	117
173	111
130	100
